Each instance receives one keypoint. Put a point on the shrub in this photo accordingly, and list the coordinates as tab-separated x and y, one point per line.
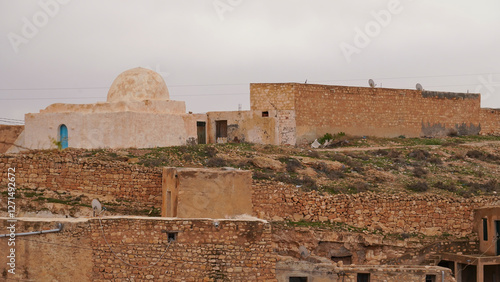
216	162
358	187
325	137
293	164
210	151
420	186
314	154
308	183
419	172
261	175
446	187
435	160
476	154
187	157
419	154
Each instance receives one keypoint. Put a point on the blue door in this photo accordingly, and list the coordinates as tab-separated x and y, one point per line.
63	136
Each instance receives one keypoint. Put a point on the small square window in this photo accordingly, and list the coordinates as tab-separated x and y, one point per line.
172	236
265	114
430	278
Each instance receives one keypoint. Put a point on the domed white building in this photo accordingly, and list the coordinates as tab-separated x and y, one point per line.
138	113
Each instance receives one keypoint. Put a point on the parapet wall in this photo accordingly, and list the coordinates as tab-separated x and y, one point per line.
394	213
203	250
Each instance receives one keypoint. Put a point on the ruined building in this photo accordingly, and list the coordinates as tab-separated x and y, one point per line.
138	113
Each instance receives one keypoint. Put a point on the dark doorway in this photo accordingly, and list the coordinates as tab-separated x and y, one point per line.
468	272
492	273
297	279
363	277
201	130
448	264
221	129
497	235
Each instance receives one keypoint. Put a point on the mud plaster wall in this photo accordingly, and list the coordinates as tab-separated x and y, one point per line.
400	213
233	251
109	130
244	126
207	193
58	256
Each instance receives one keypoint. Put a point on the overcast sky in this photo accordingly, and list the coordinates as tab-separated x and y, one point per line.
208	52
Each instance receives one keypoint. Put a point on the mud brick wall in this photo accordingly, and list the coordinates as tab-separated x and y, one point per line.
395	213
68	171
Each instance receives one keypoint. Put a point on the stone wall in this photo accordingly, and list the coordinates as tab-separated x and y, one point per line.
490	121
383	112
395	213
68	171
230	250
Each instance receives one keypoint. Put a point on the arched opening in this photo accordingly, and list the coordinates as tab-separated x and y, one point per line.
63	136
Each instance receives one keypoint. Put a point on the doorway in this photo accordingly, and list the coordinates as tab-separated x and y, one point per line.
63	136
220	129
201	130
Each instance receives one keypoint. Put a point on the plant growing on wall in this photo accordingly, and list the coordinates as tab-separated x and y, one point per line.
58	144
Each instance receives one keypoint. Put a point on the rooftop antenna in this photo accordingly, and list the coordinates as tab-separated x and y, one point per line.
419	87
371	83
96	207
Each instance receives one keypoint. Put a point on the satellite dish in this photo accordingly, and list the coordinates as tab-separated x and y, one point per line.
419	87
371	83
96	206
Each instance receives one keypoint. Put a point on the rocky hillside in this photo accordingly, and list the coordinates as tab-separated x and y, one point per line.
461	166
452	166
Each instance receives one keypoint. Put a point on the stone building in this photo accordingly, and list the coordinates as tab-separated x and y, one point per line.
484	264
138	113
